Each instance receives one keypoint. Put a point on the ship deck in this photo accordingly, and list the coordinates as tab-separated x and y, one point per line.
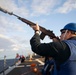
25	67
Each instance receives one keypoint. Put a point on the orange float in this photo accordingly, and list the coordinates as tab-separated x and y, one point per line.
33	65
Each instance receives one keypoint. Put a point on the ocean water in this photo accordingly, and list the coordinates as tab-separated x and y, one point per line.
6	64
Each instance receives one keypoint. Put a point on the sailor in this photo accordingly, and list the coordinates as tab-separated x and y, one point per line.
21	58
63	52
17	56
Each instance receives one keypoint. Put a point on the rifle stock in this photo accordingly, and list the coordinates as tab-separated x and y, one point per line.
42	29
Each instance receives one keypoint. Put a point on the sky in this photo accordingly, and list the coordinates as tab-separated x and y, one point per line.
15	35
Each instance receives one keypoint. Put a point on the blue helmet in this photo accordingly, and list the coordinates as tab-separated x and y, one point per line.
70	26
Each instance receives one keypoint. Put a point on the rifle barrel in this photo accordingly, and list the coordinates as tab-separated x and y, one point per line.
45	31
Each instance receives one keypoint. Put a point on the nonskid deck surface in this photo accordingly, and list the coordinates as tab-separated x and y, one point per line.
25	67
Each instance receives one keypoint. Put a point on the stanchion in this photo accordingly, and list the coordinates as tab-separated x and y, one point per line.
4	65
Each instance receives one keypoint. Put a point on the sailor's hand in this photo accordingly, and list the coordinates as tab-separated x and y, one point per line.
36	27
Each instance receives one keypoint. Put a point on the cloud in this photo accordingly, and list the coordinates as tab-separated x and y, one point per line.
40	7
5	42
37	7
3	21
8	24
1	50
10	47
13	6
67	6
10	44
15	47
